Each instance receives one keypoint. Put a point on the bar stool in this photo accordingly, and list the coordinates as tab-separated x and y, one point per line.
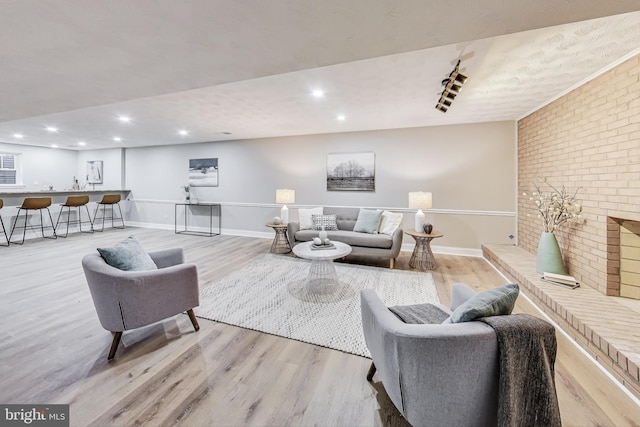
4	230
33	204
108	200
75	202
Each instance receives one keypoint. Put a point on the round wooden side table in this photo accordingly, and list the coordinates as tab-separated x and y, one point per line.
422	257
280	243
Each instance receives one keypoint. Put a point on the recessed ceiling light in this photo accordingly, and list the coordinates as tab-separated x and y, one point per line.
341	117
117	139
124	119
318	93
52	129
54	146
18	135
82	143
183	132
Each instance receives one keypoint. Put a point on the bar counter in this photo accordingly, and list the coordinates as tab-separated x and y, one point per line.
15	197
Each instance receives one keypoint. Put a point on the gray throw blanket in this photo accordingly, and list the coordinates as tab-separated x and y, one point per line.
419	313
527	392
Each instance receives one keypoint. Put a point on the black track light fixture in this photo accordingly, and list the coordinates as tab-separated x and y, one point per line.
452	86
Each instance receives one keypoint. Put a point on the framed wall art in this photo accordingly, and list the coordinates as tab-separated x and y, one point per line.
203	172
351	172
94	172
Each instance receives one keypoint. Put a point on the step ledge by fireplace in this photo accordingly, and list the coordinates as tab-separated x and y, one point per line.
605	328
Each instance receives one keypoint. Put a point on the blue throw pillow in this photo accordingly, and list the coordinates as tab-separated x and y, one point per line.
494	302
368	221
128	255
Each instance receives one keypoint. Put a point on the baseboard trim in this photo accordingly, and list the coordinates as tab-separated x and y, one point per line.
446	250
225	231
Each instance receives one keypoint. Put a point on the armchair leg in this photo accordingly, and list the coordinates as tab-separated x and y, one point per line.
193	319
392	262
372	371
114	345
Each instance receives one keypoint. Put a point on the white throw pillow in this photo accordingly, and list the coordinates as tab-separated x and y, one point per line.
305	217
390	221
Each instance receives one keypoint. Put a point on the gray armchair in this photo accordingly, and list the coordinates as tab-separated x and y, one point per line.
127	300
435	374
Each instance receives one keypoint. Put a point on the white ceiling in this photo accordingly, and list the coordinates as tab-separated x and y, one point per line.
248	66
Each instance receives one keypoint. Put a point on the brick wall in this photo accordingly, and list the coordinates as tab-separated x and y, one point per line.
589	138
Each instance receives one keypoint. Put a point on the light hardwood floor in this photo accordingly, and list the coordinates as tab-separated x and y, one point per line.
53	350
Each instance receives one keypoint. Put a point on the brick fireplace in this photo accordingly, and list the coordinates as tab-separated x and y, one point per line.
589	139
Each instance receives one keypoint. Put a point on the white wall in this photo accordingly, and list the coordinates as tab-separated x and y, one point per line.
112	168
470	169
42	167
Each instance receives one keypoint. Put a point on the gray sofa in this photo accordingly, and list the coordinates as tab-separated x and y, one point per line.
435	374
362	244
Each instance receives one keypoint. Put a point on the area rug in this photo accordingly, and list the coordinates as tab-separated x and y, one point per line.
266	295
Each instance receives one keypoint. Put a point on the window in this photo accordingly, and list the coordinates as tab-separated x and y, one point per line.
9	169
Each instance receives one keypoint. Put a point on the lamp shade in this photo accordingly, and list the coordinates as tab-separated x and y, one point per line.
284	196
420	200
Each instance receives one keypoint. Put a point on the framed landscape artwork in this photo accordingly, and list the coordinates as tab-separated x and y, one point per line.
94	172
203	172
351	172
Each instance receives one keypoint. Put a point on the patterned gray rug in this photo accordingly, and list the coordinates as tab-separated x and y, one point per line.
269	295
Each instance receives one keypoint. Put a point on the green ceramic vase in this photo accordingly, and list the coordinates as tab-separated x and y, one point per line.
549	258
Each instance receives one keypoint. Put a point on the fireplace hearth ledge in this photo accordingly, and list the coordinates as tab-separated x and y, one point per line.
604	327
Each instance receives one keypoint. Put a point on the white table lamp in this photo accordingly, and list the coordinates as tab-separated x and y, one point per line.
284	196
419	200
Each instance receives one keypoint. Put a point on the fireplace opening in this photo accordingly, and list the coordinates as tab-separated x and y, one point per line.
623	270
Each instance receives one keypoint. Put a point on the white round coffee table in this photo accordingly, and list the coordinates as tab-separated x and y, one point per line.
322	277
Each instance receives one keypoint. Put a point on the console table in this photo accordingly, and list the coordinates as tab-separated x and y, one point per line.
187	207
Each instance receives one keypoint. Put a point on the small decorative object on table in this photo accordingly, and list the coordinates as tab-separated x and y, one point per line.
187	192
555	207
327	245
322	242
322	235
277	220
428	228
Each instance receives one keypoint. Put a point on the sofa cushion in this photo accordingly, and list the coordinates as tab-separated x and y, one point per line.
128	255
351	238
494	302
328	222
305	217
389	222
345	217
368	221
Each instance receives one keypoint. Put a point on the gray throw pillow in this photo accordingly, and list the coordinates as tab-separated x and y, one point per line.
329	222
128	255
368	221
494	302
